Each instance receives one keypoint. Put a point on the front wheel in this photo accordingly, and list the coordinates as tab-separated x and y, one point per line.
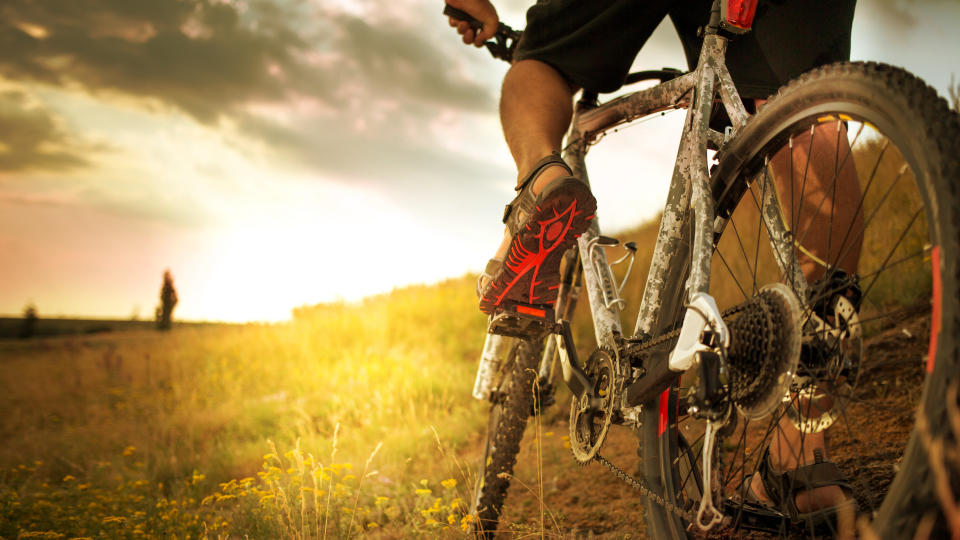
855	169
513	402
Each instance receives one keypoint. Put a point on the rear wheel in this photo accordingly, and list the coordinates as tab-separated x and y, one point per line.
860	164
513	402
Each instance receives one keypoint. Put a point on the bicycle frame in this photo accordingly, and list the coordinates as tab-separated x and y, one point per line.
690	191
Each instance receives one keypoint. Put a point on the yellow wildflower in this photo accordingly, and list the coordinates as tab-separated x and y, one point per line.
128	451
373	525
449	483
69	478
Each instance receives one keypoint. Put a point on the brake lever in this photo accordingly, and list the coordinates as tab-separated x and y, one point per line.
504	40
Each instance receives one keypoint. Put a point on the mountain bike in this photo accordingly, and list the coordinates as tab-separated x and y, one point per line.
774	298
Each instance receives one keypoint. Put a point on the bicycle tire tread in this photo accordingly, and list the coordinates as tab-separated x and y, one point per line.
515	409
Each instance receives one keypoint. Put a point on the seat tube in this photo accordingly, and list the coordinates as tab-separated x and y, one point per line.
689	188
606	320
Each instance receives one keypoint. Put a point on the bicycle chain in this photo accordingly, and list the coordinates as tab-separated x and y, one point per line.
644	490
638	485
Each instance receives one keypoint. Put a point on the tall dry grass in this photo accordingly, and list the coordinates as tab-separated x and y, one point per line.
142	434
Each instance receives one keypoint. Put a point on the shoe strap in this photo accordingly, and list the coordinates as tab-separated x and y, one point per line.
783	487
540	166
525	198
493	265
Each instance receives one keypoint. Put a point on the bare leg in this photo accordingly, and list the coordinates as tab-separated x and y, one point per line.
536	105
820	198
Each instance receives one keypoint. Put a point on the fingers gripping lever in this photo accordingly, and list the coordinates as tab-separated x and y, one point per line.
504	40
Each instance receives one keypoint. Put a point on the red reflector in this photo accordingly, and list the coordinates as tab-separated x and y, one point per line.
739	13
664	413
935	317
532	311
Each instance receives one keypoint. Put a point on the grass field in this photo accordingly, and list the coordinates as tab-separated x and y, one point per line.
347	419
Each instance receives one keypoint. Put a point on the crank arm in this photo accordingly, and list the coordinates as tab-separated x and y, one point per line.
576	379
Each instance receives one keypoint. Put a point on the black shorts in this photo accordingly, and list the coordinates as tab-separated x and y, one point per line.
593	42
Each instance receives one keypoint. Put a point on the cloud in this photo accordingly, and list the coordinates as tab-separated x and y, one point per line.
211	57
402	160
401	62
357	87
34	138
896	13
199	56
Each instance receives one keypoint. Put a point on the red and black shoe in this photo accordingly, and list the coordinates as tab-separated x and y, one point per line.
542	228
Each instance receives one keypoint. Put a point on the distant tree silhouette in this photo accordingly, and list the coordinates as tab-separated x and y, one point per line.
168	299
954	90
29	326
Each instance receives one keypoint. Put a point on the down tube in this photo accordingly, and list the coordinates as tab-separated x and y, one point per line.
688	187
606	320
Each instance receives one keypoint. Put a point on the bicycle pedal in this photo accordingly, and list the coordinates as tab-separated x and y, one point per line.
524	321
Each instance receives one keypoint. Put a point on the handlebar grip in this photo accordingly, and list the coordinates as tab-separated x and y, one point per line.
461	15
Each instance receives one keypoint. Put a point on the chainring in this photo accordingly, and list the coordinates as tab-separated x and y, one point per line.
589	426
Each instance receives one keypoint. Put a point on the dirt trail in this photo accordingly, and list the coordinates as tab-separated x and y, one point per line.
589	502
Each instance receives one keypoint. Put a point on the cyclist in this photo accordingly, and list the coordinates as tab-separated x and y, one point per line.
570	44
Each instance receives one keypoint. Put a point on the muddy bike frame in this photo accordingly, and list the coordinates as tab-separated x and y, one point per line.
682	255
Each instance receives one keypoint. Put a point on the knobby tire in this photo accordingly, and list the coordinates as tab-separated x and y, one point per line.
512	406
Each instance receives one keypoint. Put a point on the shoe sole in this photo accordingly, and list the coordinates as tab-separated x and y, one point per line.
530	273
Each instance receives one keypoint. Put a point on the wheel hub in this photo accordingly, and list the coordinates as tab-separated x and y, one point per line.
830	369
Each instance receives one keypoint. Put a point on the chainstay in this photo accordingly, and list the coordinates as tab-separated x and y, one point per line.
645	491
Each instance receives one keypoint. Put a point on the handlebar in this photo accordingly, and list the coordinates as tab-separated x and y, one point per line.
504	40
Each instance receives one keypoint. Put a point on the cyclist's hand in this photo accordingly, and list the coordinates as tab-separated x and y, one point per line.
483	11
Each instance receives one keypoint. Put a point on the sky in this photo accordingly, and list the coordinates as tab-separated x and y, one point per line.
279	153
